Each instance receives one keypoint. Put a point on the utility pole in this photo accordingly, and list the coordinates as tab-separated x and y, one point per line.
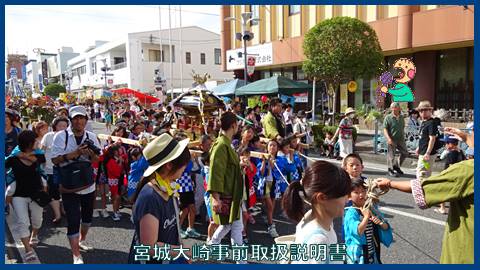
181	49
170	45
244	36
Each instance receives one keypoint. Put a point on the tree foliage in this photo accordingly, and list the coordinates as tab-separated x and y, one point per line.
340	49
54	90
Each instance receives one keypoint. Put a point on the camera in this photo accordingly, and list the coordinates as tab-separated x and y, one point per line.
91	145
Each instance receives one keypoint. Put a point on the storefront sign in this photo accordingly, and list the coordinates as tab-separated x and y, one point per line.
263	56
301	98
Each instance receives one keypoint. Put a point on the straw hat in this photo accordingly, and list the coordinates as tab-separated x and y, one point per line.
349	110
162	150
424	105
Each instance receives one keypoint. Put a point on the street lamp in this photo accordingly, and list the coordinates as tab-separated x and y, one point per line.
245	35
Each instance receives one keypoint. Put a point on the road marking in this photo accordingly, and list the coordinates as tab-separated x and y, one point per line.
414	216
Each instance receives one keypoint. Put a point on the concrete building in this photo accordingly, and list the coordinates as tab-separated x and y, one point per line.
16	61
134	60
32	72
438	38
57	65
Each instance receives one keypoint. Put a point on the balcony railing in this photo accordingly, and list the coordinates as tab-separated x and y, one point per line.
119	66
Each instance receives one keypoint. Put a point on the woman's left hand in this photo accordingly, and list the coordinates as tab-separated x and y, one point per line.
375	220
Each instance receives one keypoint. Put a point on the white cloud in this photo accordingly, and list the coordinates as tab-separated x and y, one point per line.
51	27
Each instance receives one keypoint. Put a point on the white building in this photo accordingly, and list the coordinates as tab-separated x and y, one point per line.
57	65
134	59
32	71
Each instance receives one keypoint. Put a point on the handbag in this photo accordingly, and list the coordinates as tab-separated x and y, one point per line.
42	198
75	176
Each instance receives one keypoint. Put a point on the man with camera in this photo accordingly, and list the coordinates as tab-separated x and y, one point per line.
73	152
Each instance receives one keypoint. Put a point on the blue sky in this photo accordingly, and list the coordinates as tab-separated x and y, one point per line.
51	27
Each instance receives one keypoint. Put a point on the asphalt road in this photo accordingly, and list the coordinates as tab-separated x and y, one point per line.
417	233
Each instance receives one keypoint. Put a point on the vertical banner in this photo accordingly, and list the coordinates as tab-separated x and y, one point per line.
343	97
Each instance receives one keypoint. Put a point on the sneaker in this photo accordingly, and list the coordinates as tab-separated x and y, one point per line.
245	240
77	260
84	247
119	214
105	213
192	233
272	231
397	169
116	217
183	234
96	213
392	173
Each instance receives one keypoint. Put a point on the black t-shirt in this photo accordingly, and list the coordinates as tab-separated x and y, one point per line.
454	157
427	129
150	202
280	126
27	177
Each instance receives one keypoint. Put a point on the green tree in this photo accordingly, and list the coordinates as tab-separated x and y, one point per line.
340	49
54	90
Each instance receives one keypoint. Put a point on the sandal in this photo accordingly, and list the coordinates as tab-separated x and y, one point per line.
31	256
34	241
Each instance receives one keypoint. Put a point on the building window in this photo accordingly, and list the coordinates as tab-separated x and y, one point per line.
202	59
118	60
255	9
301	75
188	57
218	56
294	9
454	82
94	68
155	56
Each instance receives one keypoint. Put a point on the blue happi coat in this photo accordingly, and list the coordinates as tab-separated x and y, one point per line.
280	182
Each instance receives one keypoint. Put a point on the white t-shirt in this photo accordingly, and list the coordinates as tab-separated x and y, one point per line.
59	149
287	116
309	231
96	107
47	143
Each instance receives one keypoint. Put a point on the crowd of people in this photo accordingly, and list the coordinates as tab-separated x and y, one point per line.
247	158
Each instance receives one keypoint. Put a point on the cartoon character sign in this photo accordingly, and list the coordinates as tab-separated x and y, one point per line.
396	84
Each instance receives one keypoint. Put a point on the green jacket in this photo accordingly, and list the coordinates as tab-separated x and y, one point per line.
454	185
270	126
225	177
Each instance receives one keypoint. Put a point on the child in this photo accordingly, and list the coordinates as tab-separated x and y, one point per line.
452	155
288	153
205	158
101	186
299	163
248	171
272	182
364	230
323	189
113	163
353	165
328	145
137	168
108	119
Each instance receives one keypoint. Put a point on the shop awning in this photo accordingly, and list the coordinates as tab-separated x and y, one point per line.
142	97
273	85
228	88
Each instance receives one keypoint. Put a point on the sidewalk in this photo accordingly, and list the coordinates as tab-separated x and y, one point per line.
364	147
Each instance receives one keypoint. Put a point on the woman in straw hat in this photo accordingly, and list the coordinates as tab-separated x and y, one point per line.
155	213
345	130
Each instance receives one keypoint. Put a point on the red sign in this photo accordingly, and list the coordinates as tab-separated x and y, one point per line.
250	65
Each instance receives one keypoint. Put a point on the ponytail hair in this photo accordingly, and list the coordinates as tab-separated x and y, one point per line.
292	201
321	177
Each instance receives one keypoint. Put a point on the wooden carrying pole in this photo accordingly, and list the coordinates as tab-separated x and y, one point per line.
190	145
